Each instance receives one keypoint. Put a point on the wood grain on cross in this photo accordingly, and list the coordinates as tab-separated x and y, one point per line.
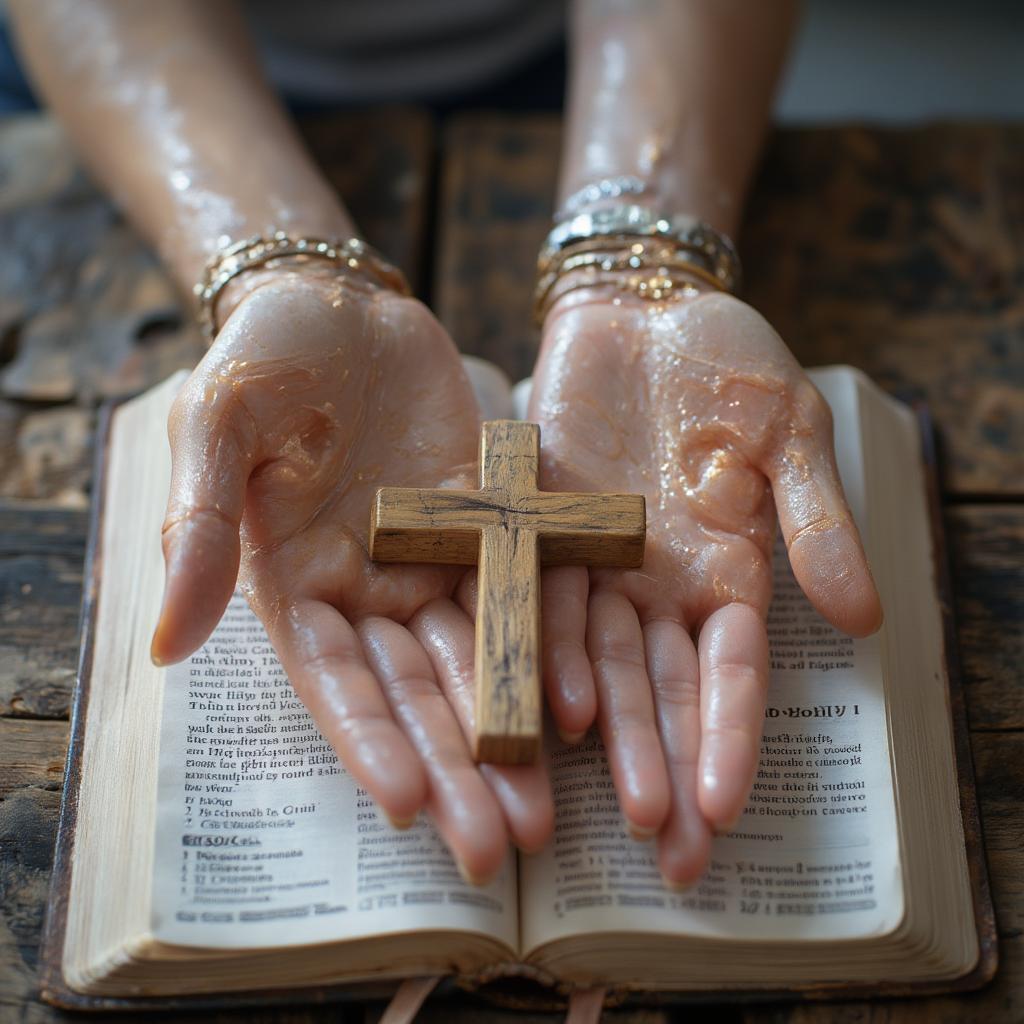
509	528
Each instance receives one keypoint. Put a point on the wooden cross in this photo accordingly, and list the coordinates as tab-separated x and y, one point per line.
509	529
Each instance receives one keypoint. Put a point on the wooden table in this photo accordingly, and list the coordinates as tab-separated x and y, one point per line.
898	252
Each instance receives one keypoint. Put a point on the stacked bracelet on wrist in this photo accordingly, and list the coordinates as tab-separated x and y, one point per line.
351	255
634	249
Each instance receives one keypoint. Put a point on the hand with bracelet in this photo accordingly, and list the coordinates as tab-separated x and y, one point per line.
652	379
323	381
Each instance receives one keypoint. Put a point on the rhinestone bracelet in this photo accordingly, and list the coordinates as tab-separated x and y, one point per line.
351	254
598	191
710	249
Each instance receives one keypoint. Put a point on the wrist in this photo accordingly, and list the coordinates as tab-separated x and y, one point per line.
283	273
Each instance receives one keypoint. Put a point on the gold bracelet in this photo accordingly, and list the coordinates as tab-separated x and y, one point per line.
351	254
637	267
637	255
639	250
653	286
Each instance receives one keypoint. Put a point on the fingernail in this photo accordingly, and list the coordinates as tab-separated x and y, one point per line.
533	849
641	834
467	876
676	886
402	823
726	829
155	643
571	738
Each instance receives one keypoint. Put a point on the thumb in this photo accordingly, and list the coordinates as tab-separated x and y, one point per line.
213	450
825	548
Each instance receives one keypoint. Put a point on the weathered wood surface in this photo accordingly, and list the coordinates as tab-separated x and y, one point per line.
497	195
830	294
41	555
896	251
987	557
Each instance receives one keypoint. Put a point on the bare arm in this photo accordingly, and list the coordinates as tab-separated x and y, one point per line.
676	92
691	398
167	104
314	389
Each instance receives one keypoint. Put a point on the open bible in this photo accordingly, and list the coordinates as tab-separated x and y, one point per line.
212	843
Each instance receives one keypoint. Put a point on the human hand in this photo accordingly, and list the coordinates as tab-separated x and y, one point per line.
701	407
315	393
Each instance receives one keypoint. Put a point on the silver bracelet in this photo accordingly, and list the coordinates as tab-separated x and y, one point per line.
711	249
596	191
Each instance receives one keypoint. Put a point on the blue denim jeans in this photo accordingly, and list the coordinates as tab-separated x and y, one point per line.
15	92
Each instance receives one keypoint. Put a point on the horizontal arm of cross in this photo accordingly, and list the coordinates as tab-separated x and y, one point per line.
442	525
413	524
588	529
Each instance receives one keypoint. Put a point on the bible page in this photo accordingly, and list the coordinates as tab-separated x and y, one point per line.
264	840
815	854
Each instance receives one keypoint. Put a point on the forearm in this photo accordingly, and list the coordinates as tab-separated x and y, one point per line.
677	93
169	108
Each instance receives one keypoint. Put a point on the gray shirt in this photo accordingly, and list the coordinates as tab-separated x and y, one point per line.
362	50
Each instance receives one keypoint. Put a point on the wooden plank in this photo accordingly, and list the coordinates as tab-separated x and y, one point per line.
46	453
379	161
41	555
895	251
31	754
497	194
987	555
28	828
447	1012
899	251
87	312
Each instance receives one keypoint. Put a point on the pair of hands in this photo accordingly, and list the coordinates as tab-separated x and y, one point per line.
316	393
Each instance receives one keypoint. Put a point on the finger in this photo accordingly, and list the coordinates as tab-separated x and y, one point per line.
324	660
568	678
523	791
466	594
213	451
625	711
684	842
733	688
824	545
460	802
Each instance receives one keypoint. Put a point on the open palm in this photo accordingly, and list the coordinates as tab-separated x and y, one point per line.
700	407
314	395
